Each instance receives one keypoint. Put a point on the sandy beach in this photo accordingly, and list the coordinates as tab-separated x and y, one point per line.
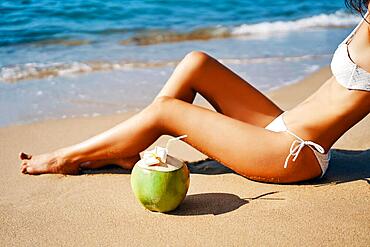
221	208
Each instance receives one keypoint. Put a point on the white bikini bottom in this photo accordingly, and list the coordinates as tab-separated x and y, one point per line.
278	125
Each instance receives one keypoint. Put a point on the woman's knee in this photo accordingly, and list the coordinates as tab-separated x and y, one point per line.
197	59
159	108
152	112
161	100
197	56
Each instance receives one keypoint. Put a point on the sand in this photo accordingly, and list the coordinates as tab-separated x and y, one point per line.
222	209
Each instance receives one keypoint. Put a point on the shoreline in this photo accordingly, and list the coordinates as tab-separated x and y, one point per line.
225	209
132	108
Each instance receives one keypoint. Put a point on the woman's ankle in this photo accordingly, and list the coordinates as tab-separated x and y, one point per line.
69	155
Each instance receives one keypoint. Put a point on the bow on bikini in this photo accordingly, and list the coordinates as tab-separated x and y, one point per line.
296	149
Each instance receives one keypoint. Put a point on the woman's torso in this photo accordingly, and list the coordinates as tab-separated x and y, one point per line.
328	113
333	109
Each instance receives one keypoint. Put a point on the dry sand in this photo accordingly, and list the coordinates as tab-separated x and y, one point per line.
220	210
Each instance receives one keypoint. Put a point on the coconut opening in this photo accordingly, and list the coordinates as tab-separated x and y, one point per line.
172	164
159	160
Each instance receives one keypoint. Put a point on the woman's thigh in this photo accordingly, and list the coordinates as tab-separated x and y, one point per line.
225	90
251	151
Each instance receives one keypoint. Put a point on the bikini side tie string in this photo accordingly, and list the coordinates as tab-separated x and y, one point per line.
296	149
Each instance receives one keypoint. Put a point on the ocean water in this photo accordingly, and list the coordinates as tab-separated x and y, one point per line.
72	58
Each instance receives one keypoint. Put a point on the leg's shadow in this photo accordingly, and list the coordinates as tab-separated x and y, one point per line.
109	169
215	203
206	166
345	166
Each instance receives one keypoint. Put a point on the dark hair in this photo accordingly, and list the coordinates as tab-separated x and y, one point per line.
357	5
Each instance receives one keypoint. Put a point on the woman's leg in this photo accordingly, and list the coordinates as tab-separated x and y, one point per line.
226	91
120	144
249	150
198	72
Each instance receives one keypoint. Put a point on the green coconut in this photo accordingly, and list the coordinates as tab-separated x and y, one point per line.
160	187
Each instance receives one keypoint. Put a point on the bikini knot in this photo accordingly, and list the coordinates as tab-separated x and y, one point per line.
297	146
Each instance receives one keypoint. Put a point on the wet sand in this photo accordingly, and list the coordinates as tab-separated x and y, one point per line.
221	209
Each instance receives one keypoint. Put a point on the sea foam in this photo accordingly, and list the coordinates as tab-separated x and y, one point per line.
338	19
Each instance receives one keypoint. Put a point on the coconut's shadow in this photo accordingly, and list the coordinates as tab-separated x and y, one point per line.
215	203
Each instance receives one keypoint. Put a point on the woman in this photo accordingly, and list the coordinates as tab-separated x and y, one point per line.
248	133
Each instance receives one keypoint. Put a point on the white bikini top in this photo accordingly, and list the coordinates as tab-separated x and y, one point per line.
347	73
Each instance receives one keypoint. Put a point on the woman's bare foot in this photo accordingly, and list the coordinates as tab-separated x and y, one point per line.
57	162
54	162
125	163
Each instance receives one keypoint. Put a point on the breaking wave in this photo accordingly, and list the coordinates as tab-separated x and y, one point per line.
338	19
29	71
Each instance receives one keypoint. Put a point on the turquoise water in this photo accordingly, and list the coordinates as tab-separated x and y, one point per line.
52	22
80	58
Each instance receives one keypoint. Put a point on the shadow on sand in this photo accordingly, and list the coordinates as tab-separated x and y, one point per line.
215	203
345	166
109	169
206	166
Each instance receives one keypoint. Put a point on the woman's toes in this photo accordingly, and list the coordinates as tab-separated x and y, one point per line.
24	156
30	170
23	164
24	168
